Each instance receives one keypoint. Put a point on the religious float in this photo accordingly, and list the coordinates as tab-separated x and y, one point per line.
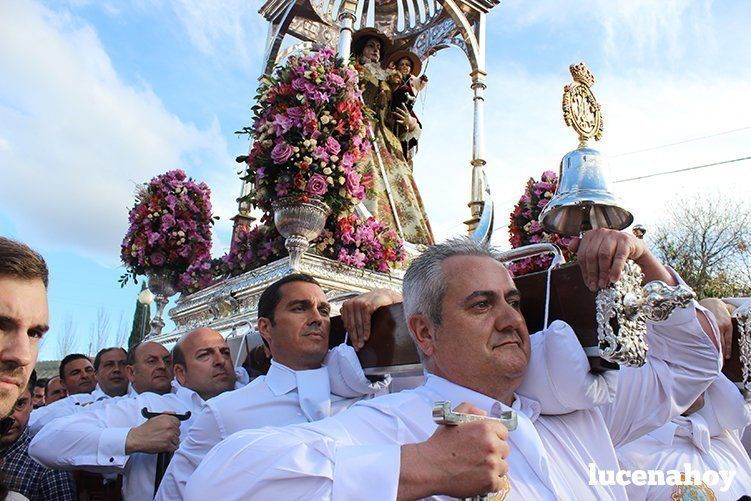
330	172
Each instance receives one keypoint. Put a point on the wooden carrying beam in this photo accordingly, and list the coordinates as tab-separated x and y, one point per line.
732	367
391	350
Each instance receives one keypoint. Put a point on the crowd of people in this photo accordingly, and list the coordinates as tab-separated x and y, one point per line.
150	423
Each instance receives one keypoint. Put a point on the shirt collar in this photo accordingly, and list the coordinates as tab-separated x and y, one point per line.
190	398
457	394
281	379
665	433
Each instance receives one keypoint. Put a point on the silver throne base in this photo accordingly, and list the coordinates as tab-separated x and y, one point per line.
232	304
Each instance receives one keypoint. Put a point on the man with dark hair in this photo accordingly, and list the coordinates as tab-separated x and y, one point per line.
54	391
37	398
114	437
150	370
24	317
19	472
306	381
77	374
109	367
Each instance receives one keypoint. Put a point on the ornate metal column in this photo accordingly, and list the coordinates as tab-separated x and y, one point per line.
347	20
478	148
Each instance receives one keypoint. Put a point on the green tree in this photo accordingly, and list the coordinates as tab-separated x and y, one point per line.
706	240
141	320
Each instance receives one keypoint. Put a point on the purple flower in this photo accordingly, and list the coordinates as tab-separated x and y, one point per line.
352	182
298	84
283	123
317	185
333	146
281	153
157	258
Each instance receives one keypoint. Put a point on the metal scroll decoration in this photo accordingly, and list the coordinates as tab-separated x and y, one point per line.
743	317
581	111
628	305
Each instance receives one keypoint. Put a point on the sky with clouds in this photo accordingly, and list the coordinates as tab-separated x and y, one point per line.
98	96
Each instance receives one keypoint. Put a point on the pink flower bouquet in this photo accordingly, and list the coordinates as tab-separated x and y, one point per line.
525	229
170	228
309	134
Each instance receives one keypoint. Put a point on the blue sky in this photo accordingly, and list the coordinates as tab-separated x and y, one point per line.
97	96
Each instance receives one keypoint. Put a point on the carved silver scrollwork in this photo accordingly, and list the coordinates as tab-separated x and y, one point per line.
743	316
661	299
619	303
223	305
629	305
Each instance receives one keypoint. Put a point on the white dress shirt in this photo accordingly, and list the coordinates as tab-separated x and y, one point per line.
356	454
708	439
94	440
280	398
71	404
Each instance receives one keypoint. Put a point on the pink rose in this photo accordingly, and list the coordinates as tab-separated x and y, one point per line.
333	146
352	182
281	153
317	185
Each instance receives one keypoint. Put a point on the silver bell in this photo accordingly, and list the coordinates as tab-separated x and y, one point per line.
582	200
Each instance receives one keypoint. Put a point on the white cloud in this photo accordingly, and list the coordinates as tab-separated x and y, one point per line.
228	29
78	136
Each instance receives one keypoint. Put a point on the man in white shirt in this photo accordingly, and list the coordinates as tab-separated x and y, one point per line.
703	444
464	312
707	437
116	438
149	369
306	381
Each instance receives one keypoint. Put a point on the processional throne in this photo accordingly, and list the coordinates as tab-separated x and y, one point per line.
422	27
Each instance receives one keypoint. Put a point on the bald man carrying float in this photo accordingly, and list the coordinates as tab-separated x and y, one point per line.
117	438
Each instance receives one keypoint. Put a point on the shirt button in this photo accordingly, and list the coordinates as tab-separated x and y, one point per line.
112	460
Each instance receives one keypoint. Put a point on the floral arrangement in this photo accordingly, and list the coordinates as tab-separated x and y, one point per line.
169	227
363	243
309	134
525	229
253	248
199	275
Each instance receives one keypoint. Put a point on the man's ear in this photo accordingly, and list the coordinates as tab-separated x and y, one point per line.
179	371
130	373
422	329
264	328
65	386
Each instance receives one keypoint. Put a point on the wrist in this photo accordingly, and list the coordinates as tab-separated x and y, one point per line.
131	442
418	478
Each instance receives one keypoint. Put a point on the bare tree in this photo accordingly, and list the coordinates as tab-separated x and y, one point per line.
66	337
100	331
122	331
707	241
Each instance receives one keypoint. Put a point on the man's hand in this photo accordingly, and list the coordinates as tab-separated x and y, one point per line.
158	434
357	312
603	253
461	461
721	312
